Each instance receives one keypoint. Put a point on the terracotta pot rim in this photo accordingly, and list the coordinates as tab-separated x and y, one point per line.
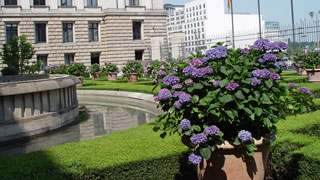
133	73
227	145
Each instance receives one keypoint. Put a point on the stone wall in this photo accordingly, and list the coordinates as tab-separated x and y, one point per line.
33	107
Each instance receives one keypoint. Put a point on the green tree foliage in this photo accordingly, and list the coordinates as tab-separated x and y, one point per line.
16	55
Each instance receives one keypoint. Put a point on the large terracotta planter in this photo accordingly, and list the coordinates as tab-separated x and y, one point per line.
112	76
95	76
301	72
313	75
232	163
81	81
133	77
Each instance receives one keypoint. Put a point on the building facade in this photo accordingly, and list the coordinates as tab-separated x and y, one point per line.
87	31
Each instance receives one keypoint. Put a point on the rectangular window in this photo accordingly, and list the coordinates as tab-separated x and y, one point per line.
136	30
44	59
92	3
10	2
66	2
93	32
41	36
139	55
133	2
68	58
95	58
11	31
39	2
67	30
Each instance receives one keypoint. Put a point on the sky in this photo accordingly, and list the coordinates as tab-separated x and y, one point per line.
271	10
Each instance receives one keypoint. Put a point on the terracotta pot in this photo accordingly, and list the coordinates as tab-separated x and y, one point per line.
301	72
81	81
313	75
95	76
232	163
133	77
112	76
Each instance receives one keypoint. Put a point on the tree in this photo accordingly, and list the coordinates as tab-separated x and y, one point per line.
16	54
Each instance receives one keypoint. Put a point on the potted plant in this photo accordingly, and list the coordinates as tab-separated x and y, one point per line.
298	61
311	64
75	69
132	70
111	71
95	71
225	106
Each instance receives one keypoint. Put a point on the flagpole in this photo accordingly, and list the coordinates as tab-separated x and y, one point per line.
260	36
233	45
293	33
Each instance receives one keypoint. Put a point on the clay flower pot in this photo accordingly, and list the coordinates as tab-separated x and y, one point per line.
133	77
301	72
95	76
112	76
313	75
232	163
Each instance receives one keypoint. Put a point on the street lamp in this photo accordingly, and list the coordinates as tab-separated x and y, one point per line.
312	14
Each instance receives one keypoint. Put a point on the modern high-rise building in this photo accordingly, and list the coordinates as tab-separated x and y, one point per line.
87	31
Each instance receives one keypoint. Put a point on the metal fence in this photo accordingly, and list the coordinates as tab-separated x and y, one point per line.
305	36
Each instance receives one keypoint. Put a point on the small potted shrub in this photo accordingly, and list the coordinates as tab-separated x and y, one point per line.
311	64
298	61
111	71
76	69
132	70
95	71
225	107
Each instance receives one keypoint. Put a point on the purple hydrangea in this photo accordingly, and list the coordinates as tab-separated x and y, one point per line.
198	73
283	65
261	73
198	139
171	80
177	105
177	94
261	45
204	60
188	82
278	46
195	159
175	69
156	98
255	81
217	53
231	86
164	94
176	86
184	97
268	57
306	91
161	73
244	51
244	136
196	63
274	76
188	70
292	85
216	83
212	130
185	124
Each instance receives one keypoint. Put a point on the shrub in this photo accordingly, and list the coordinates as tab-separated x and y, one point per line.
132	67
95	69
110	68
308	60
76	69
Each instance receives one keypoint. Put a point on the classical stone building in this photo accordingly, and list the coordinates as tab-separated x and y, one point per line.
87	31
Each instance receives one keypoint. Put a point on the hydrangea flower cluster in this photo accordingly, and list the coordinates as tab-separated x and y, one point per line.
261	73
171	80
185	124
268	57
231	86
283	65
188	82
216	83
244	136
278	46
183	98
306	91
255	81
274	76
244	51
177	94
212	130
176	86
261	45
217	53
175	69
198	139
161	73
293	85
196	63
195	158
204	60
197	72
163	94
